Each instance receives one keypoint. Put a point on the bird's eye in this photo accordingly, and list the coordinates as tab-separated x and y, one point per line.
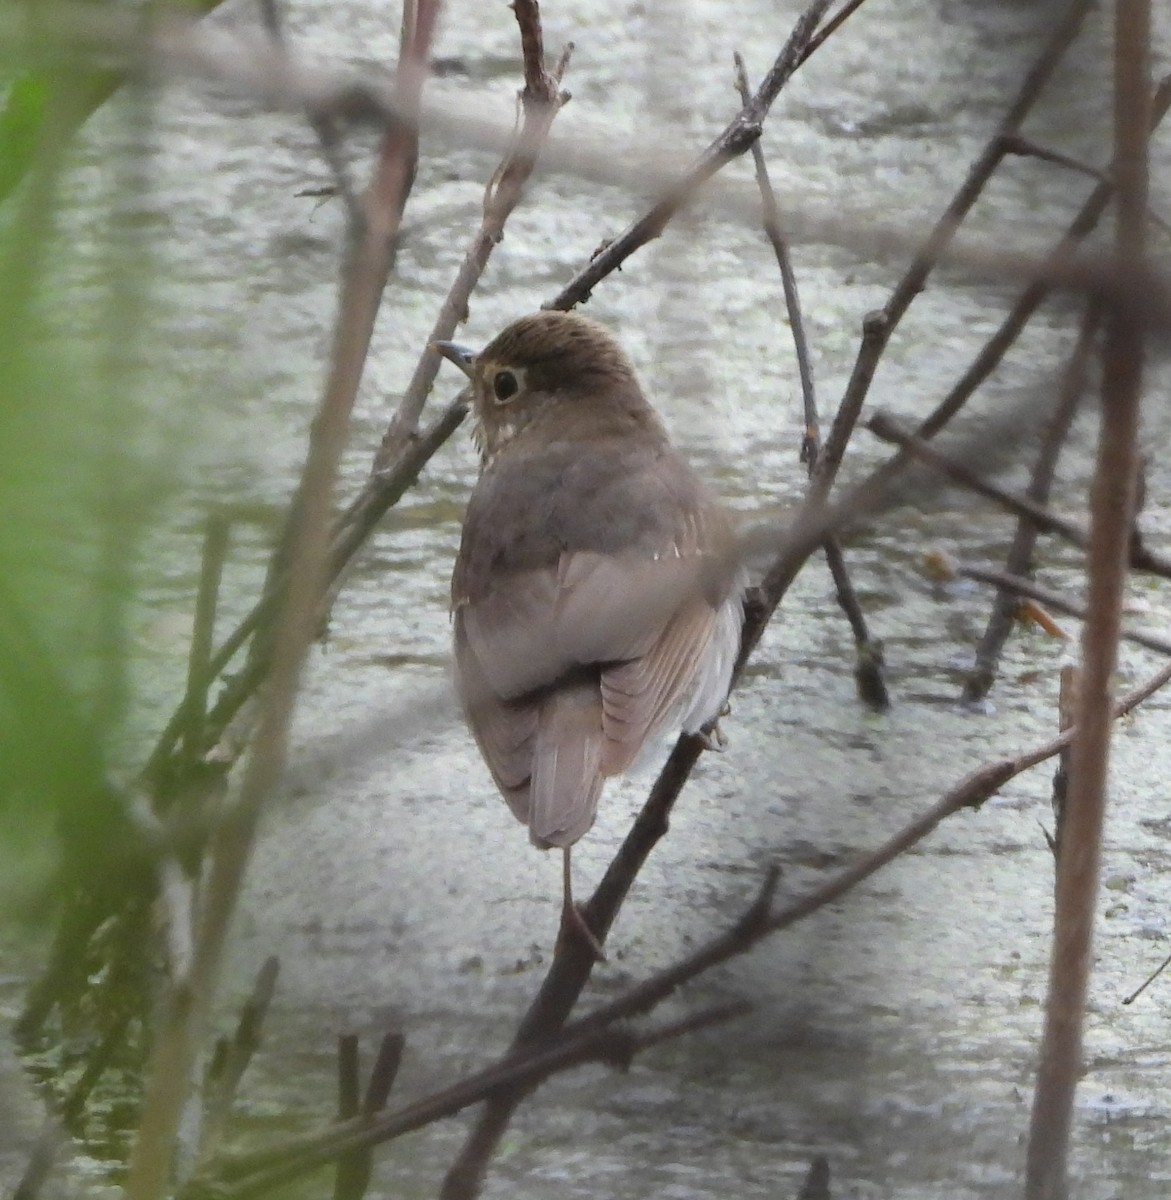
505	386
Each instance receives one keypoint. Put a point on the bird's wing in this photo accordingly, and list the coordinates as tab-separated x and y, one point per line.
647	695
504	730
553	622
534	628
633	630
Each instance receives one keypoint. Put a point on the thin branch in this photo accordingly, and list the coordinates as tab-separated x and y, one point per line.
1019	586
541	100
826	31
868	671
885	427
1026	148
1112	509
1146	983
1019	561
354	1169
348	1183
1024	506
223	1082
737	138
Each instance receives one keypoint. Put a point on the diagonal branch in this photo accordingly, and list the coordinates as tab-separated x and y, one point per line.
735	140
239	1176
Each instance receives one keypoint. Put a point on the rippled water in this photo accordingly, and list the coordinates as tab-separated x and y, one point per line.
895	1032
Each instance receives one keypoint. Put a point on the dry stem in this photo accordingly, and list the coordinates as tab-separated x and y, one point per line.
1112	506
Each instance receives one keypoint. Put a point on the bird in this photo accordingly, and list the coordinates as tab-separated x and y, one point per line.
597	596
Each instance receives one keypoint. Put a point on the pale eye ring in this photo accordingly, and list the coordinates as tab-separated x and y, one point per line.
504	386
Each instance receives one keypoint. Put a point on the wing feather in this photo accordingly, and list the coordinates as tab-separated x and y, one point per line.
648	695
578	637
534	627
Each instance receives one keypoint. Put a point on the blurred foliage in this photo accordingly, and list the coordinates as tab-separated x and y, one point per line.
25	101
70	530
81	480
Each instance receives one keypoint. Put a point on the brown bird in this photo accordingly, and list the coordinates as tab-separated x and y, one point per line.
596	597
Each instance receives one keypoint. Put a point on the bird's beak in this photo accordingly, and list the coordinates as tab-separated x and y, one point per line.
463	358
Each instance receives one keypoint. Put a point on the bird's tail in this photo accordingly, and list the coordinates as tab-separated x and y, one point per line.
567	762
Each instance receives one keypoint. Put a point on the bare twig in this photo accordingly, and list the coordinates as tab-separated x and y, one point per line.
349	1099
831	27
1019	561
1025	507
1024	147
889	430
223	1082
1015	584
353	1169
541	100
739	135
1027	148
1112	506
1146	983
869	660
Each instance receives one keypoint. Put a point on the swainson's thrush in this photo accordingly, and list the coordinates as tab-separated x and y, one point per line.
597	596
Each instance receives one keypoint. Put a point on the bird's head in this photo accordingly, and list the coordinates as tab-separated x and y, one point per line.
555	371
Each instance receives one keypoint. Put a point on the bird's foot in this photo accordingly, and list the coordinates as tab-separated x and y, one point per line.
713	738
574	925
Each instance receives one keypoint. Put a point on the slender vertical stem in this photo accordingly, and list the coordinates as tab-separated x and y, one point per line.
868	669
1112	505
